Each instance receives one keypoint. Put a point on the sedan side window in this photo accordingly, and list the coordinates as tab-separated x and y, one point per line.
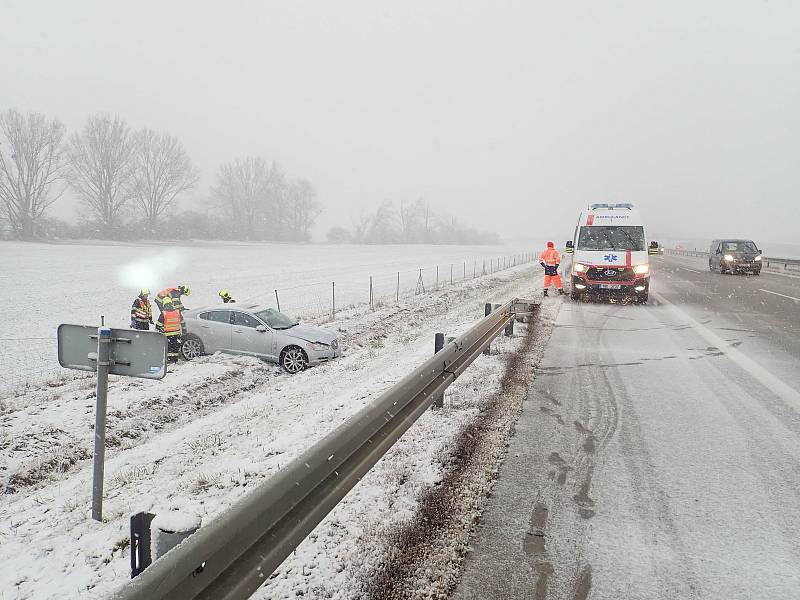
245	320
219	316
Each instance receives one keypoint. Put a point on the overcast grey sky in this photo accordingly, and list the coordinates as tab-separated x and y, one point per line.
513	115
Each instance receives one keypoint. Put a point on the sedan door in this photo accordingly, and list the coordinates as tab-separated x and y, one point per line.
251	336
215	330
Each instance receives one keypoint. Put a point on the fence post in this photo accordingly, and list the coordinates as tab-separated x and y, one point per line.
484	266
277	301
465	270
397	294
487	309
333	299
474	268
451	273
437	277
438	344
371	302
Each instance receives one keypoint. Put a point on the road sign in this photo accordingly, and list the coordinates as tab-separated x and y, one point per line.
132	352
129	352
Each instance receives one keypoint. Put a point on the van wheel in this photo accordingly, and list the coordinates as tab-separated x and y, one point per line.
192	347
293	359
642	298
575	294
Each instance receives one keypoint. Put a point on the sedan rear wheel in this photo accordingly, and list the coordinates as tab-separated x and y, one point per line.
192	347
293	359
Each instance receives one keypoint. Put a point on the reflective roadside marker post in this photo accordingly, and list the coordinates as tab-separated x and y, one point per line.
103	352
108	351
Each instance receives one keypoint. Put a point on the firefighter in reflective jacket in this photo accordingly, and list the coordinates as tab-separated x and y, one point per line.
174	294
170	323
226	296
142	311
551	260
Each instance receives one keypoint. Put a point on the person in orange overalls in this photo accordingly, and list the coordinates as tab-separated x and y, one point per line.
550	260
170	323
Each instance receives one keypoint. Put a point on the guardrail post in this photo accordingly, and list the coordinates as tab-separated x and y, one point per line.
438	344
168	530
333	299
487	309
509	330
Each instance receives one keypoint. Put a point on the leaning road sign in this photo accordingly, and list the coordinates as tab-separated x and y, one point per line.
133	353
128	352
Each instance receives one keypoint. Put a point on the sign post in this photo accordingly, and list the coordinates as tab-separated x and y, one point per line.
127	352
103	363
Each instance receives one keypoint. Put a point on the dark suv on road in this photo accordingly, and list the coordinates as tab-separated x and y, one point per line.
734	256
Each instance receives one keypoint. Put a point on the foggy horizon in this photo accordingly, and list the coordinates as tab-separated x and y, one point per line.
512	120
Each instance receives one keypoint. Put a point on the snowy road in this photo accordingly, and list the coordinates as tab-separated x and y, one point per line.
657	453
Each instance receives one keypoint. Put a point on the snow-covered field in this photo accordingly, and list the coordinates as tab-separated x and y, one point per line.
45	284
214	428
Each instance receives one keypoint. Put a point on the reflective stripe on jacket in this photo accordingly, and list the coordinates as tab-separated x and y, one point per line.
550	257
141	310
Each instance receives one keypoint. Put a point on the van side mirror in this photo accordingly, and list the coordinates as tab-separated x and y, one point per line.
569	248
261	329
653	248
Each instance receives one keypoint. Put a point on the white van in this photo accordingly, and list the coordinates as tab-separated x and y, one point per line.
610	252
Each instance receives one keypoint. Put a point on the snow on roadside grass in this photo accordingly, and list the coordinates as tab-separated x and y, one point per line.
204	464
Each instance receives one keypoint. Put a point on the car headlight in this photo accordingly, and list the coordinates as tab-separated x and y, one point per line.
318	346
335	344
579	268
728	257
757	258
641	269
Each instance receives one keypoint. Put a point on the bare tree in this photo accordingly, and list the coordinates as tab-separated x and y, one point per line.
384	226
29	173
242	188
162	170
304	209
102	160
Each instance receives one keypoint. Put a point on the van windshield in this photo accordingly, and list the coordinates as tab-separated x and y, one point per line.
611	238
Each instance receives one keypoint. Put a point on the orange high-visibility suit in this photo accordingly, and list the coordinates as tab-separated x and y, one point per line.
550	260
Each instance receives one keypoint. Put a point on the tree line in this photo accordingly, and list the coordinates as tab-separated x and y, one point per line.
129	182
408	223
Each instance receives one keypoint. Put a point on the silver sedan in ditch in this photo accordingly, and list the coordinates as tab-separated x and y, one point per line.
260	331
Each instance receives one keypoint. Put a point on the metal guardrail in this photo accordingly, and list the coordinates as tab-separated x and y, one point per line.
230	558
769	262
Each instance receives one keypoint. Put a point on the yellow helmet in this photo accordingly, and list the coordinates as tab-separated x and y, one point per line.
144	292
224	293
167	301
185	290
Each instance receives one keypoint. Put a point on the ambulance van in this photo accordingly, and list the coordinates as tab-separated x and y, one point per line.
611	253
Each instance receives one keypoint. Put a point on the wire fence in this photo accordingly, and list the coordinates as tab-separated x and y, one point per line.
27	362
326	298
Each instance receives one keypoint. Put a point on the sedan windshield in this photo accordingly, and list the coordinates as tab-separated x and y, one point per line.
739	246
611	238
275	319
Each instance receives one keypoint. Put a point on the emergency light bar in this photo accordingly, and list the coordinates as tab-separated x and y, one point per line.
627	205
